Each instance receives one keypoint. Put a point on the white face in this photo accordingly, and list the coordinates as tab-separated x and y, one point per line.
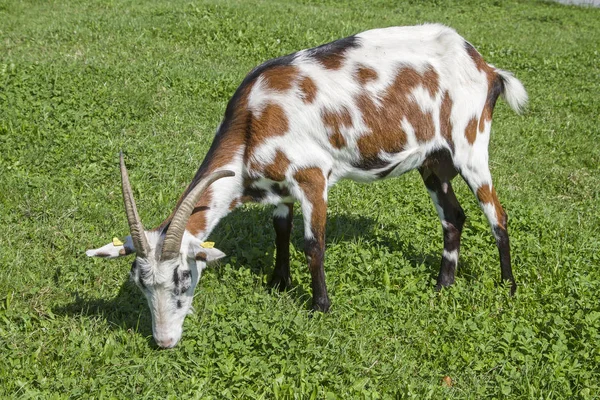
167	285
169	292
169	289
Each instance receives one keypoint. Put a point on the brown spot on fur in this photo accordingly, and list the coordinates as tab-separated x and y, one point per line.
384	120
235	203
445	120
280	78
495	89
308	90
486	116
383	123
484	194
335	121
332	55
491	76
365	75
276	170
332	61
272	121
471	130
422	123
201	256
197	221
431	81
312	183
477	58
487	195
337	141
122	252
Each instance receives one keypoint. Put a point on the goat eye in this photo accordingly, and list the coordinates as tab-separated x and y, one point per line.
141	283
133	266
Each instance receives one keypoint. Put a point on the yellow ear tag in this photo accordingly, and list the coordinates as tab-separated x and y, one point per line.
207	245
117	242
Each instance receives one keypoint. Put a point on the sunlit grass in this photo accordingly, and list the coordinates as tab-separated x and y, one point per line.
81	80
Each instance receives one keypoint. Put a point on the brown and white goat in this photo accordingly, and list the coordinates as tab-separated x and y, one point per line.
371	106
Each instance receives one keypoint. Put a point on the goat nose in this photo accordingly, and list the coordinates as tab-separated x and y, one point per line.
166	343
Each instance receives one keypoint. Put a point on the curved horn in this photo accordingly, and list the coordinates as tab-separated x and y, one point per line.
135	224
174	235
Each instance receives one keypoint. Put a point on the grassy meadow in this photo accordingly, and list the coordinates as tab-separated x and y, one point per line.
80	80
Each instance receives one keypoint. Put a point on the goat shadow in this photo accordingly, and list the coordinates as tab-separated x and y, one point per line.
256	223
128	310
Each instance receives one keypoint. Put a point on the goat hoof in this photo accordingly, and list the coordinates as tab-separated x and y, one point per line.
321	306
508	283
280	283
444	281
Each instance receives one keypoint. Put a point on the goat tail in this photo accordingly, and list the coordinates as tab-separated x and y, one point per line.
513	91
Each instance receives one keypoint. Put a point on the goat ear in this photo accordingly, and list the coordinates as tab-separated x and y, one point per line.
113	250
208	255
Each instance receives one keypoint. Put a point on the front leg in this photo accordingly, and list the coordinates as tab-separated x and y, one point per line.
282	222
313	187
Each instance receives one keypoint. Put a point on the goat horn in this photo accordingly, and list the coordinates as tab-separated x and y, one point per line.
174	236
135	224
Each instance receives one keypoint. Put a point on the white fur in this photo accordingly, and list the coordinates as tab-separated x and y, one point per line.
438	207
451	256
281	211
514	91
111	251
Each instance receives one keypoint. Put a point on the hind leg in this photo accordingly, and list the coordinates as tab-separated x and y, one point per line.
452	218
479	179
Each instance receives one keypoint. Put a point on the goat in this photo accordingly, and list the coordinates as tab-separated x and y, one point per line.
371	106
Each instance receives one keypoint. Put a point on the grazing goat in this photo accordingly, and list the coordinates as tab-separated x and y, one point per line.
371	106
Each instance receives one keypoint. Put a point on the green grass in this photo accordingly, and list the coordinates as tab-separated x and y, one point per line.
80	80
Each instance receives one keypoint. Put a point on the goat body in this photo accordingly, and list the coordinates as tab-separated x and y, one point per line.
371	106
